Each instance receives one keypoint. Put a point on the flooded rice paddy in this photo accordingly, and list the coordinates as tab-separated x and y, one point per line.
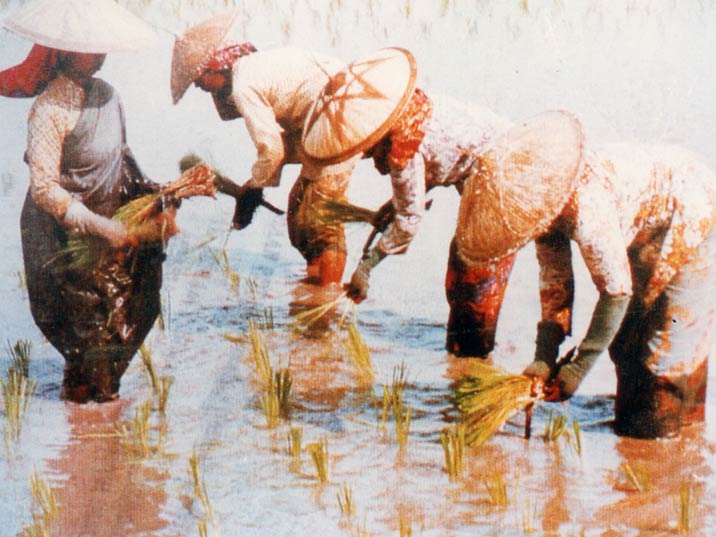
112	476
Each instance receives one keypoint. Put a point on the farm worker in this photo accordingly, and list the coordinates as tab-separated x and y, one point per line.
643	217
81	172
421	143
273	91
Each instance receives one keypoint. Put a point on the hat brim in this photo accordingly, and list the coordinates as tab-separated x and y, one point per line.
95	27
193	50
359	105
521	184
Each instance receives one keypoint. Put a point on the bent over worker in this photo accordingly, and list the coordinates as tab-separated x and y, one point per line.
273	91
643	217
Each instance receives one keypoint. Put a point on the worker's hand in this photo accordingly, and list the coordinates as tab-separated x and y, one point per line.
357	289
564	384
246	204
85	222
384	216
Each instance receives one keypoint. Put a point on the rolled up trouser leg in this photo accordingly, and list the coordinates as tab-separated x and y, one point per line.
307	232
661	354
475	296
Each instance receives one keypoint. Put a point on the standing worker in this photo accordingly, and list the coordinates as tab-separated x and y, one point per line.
273	91
81	172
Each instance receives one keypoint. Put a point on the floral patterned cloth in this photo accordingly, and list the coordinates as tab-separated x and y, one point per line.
455	134
53	116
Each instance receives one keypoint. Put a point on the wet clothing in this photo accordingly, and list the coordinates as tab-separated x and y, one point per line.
96	318
660	244
455	133
273	90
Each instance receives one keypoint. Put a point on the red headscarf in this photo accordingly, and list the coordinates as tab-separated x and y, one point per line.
30	77
225	57
407	133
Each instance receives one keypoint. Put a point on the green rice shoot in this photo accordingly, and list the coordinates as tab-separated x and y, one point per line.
636	477
529	515
20	356
136	436
487	397
259	353
687	502
17	392
199	486
294	439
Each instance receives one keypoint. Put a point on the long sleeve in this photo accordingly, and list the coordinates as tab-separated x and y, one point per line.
409	203
52	117
266	134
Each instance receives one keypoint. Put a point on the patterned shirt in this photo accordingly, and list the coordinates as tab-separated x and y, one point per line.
653	204
455	134
274	90
53	116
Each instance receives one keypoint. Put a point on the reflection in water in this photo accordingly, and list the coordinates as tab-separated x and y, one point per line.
105	492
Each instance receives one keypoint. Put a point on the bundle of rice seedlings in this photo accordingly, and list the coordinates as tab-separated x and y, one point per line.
343	211
144	216
310	316
486	398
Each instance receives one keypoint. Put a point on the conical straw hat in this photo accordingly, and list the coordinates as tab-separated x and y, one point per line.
359	105
194	48
90	26
525	179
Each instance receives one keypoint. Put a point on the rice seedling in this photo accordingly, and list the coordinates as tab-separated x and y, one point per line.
222	260
636	477
202	528
402	424
405	525
165	384
319	456
199	486
276	397
253	287
453	442
686	502
294	438
145	353
359	354
486	398
382	413
136	436
45	508
21	279
20	356
496	491
259	353
577	430
265	320
345	500
529	515
17	391
555	427
143	216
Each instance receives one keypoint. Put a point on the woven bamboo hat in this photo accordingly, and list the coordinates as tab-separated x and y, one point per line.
358	105
96	26
523	182
194	48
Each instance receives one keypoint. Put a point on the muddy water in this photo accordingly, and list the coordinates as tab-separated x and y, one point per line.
523	58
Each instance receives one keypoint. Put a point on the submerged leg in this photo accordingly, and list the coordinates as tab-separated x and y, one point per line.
475	296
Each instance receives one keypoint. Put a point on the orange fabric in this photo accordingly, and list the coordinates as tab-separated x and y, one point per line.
408	132
30	77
